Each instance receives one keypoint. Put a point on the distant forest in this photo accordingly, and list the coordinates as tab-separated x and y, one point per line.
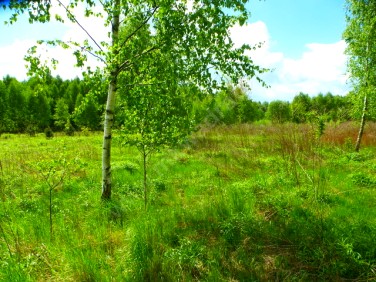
68	105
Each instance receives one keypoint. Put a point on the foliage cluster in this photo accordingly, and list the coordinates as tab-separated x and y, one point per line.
232	106
33	105
360	35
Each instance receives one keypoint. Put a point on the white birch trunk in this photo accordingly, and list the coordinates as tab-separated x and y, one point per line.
110	109
362	124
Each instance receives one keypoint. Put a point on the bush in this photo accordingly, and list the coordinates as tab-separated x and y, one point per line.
69	129
278	112
85	131
31	130
48	133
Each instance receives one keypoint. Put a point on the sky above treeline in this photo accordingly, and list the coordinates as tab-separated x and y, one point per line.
302	45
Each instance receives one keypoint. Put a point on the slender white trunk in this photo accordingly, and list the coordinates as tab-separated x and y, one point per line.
362	124
364	111
107	138
144	155
110	109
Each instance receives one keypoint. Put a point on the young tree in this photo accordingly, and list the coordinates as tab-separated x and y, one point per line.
61	115
300	107
155	117
155	102
3	105
16	114
279	112
195	34
87	112
38	111
245	109
232	105
360	35
71	94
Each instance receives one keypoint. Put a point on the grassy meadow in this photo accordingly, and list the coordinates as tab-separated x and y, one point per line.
234	203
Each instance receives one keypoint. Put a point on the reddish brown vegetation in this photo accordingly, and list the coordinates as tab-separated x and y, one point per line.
346	133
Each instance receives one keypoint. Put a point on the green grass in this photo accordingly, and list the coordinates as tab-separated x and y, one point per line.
240	203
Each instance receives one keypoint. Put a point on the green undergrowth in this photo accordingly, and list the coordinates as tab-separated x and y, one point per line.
240	203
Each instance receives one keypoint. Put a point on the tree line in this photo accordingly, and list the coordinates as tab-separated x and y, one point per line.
234	106
36	104
33	105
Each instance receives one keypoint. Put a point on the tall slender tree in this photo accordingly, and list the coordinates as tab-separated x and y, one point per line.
3	105
16	114
279	111
61	115
360	35
39	112
194	33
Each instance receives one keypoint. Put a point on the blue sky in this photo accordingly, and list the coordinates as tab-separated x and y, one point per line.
302	45
294	23
22	30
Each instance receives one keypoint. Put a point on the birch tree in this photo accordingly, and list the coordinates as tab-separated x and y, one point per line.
360	36
194	33
158	114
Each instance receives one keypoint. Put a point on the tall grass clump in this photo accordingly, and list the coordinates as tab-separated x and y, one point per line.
345	134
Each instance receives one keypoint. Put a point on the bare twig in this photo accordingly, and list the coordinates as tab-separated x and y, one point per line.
140	26
94	55
75	19
145	84
124	64
305	172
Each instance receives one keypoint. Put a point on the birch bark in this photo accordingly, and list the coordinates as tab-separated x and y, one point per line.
362	124
110	108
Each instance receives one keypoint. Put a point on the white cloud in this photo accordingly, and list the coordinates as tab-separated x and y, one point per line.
93	25
253	34
11	62
323	62
250	34
11	59
321	68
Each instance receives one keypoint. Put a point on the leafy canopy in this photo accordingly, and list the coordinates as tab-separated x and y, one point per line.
194	33
360	36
